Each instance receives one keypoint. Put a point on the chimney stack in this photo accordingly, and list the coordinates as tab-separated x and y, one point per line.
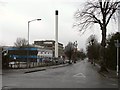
56	34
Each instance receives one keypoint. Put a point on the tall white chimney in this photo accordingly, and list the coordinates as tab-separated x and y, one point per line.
56	34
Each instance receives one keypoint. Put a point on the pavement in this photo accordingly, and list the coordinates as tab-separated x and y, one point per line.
30	70
79	75
109	74
23	71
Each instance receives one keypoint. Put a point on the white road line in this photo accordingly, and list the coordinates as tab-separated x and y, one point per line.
79	75
112	84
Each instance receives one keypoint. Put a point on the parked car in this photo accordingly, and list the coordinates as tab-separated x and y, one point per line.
66	61
60	61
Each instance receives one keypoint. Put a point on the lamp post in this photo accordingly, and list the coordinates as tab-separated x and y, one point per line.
28	27
29	39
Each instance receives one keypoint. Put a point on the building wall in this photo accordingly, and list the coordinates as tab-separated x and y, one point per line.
50	44
21	54
45	53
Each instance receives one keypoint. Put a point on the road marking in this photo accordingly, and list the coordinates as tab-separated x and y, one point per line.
112	84
79	75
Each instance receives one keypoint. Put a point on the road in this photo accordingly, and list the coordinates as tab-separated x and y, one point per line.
79	75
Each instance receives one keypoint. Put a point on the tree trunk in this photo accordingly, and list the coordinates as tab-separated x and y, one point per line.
102	51
103	42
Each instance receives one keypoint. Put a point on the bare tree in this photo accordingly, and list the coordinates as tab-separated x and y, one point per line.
21	42
69	50
93	49
100	12
92	39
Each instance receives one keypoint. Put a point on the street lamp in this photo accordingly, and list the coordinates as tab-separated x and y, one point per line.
28	27
28	37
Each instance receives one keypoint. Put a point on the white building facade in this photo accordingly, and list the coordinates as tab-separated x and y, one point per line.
44	54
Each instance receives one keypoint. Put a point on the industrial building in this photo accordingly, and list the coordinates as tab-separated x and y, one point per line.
50	45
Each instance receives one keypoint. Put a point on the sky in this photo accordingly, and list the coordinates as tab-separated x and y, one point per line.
15	14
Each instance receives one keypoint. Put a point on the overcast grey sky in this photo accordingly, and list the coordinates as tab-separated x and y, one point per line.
15	14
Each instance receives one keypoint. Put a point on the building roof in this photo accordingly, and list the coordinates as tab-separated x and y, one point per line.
48	41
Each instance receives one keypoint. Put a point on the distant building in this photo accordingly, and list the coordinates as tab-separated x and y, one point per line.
50	45
45	53
21	54
42	52
14	55
4	60
25	54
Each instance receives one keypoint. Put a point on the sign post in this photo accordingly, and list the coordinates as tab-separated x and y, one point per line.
117	44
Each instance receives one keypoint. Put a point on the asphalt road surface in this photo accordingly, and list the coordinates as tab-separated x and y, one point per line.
79	75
